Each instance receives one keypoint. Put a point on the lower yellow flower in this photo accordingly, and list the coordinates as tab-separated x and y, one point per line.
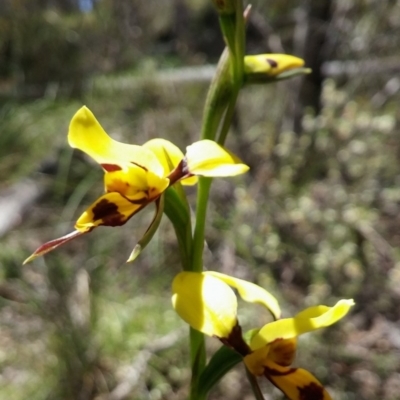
274	348
135	176
207	303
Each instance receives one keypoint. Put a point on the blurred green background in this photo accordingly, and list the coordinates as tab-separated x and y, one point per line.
315	220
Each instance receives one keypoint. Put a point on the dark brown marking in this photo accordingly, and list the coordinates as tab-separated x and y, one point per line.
111	167
138	165
271	62
312	391
180	172
108	212
275	372
235	341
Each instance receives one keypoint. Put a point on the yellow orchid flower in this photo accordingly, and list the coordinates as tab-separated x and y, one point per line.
135	176
274	347
261	68
207	303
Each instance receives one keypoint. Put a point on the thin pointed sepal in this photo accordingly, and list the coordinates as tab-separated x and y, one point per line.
52	244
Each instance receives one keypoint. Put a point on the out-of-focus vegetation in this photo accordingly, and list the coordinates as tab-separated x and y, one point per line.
315	220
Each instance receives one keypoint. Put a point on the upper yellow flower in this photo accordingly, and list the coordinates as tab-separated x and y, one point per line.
206	302
261	68
137	175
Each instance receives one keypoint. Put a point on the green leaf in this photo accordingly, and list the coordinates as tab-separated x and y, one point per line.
220	364
178	212
176	209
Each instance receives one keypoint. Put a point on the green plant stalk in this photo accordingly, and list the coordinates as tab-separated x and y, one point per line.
197	342
240	36
220	103
254	385
230	111
198	362
216	102
179	214
217	99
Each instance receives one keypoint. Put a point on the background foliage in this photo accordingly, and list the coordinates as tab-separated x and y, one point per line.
315	220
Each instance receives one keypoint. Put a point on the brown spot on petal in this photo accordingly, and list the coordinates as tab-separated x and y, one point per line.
108	212
271	62
111	167
312	391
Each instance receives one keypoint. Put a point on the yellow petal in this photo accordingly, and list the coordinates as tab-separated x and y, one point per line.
169	156
296	383
205	303
86	134
283	351
255	361
110	210
135	183
251	292
308	320
207	158
271	64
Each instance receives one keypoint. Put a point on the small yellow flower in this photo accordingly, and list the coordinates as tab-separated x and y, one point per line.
135	176
266	67
207	303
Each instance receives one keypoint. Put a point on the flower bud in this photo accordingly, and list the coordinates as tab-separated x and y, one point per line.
264	67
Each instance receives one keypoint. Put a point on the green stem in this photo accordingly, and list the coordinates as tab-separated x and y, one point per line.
178	213
203	191
221	100
198	362
217	99
254	385
240	36
228	118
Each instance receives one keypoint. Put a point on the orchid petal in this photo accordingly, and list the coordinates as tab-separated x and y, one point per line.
86	134
283	351
135	183
205	303
296	383
208	158
271	64
169	156
306	321
111	209
251	292
53	244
